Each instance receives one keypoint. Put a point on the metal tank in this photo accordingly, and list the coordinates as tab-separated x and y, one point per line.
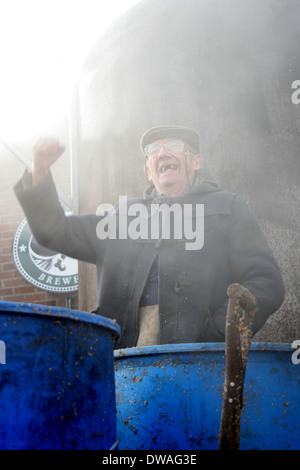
57	389
170	397
226	68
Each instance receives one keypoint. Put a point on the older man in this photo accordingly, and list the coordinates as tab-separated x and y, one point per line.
159	289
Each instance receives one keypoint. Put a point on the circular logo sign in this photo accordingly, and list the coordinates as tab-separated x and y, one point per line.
42	267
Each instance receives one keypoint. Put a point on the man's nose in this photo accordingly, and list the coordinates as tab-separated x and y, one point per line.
163	152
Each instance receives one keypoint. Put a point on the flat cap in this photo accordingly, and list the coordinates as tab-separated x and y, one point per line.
164	132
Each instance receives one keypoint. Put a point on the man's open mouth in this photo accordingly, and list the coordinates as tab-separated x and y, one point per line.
169	167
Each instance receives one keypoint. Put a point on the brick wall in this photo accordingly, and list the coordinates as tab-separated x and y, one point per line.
13	287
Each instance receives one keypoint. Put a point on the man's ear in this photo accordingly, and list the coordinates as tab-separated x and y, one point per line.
147	173
198	161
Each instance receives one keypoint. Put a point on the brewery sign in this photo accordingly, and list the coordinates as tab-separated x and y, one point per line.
44	268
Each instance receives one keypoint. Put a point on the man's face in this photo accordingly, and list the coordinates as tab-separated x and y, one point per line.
171	166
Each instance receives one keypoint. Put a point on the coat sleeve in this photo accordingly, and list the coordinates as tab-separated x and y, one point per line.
252	265
74	235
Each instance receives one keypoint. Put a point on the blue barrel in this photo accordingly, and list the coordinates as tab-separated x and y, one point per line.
170	397
57	386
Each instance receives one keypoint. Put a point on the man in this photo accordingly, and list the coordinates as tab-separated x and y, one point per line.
159	289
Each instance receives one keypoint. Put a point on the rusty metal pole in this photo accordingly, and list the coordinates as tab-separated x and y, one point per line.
239	322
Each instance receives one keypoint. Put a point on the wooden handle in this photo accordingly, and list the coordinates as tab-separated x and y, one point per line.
238	334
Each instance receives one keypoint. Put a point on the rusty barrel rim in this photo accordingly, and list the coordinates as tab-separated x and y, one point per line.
195	347
24	308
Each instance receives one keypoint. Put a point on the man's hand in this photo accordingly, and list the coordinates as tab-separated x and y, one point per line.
44	154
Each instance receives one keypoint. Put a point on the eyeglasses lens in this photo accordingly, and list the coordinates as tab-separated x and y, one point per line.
174	147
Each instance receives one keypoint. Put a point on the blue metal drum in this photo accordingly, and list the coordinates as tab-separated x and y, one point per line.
57	386
170	397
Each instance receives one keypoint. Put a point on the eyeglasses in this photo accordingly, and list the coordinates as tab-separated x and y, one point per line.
174	147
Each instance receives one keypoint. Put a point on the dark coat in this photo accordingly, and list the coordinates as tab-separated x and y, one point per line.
192	283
